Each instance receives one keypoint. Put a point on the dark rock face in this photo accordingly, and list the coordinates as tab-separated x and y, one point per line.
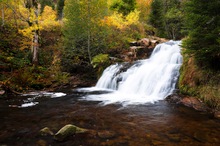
174	98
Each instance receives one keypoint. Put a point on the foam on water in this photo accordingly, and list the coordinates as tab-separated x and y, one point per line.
147	80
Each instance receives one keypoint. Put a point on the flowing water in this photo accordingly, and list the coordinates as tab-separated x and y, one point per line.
145	81
116	111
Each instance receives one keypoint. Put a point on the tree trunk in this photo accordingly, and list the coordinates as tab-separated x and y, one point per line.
35	42
35	48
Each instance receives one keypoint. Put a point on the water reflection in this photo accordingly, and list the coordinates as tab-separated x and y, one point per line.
113	125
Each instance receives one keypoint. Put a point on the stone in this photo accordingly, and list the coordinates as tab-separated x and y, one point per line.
174	98
217	114
174	137
194	103
68	130
2	92
41	143
200	136
46	131
145	42
106	134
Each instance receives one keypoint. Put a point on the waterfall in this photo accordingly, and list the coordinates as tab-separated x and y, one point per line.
146	80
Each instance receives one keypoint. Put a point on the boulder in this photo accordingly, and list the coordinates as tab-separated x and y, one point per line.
46	131
154	43
145	42
174	98
194	103
68	130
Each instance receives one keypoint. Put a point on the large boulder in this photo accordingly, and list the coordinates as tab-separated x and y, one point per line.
68	130
141	49
194	103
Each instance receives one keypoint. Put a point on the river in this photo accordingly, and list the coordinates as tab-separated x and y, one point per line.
161	123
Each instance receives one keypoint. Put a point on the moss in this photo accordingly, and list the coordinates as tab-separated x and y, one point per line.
196	82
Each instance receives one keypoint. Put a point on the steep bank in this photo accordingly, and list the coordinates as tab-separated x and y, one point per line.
199	83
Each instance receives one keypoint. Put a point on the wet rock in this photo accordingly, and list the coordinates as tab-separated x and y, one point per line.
145	42
174	137
217	114
41	143
67	131
46	131
194	103
200	136
156	142
174	98
106	134
2	92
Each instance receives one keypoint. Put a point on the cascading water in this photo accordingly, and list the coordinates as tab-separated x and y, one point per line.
147	80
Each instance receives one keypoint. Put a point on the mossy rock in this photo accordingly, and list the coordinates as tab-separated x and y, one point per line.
46	131
68	130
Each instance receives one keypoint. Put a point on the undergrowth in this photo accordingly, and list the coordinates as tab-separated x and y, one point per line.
201	83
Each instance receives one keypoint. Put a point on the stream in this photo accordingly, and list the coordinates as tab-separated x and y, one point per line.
161	123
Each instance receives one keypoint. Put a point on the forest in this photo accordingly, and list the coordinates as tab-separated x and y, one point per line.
45	43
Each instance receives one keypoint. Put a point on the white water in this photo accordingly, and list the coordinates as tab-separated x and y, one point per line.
148	80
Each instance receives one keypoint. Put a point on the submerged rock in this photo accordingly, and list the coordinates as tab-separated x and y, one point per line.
174	137
106	134
41	143
200	136
46	131
217	114
67	131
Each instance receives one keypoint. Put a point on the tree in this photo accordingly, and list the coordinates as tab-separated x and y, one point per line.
202	24
166	16
83	30
44	3
173	23
124	6
156	17
60	5
144	7
26	11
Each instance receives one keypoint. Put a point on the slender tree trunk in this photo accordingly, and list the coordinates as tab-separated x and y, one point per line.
35	44
35	48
